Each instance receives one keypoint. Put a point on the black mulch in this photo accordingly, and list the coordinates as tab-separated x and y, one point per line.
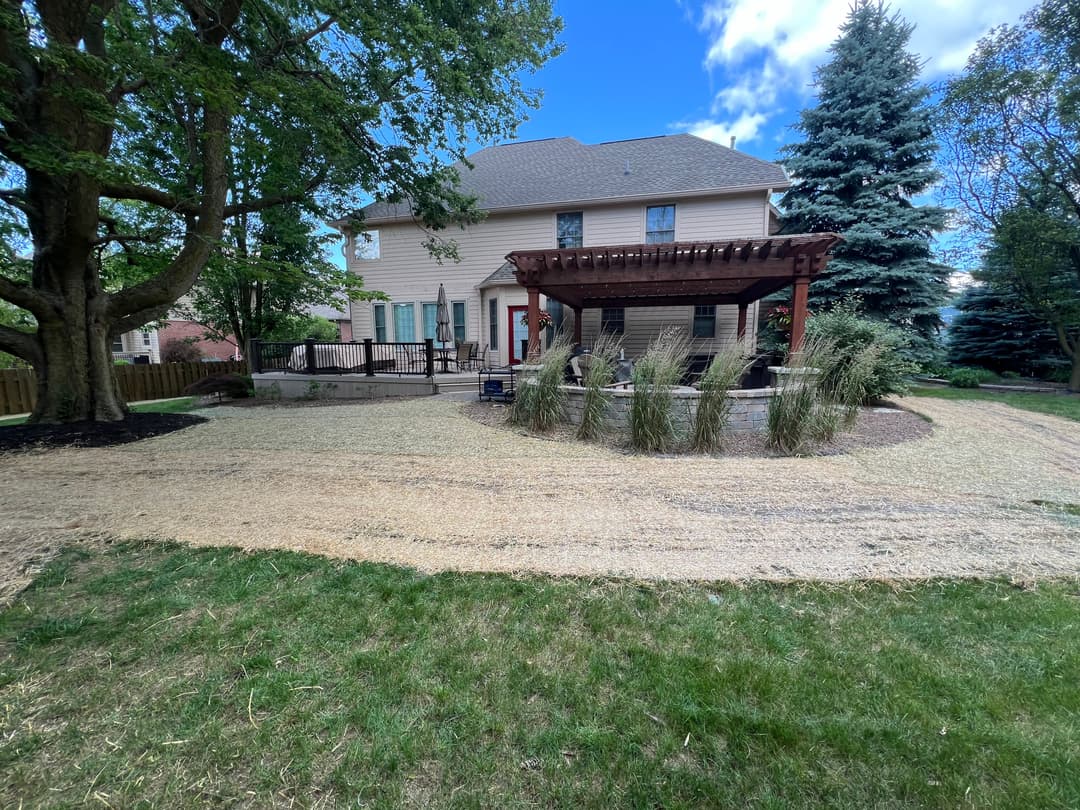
95	434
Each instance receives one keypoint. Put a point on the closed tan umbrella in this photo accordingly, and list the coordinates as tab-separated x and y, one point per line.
443	333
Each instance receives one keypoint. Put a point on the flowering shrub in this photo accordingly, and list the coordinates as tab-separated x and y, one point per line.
543	316
779	317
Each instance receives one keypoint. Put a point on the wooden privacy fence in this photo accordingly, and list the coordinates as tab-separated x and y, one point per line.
18	386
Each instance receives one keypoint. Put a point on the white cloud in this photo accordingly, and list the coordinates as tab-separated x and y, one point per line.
771	49
745	128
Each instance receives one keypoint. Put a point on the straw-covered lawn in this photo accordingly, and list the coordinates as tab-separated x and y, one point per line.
992	490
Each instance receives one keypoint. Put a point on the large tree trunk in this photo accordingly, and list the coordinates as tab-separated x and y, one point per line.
76	380
75	368
1074	377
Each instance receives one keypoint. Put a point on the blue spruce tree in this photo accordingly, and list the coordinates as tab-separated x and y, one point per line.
868	149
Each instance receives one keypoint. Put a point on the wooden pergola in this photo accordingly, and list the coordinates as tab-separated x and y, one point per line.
738	271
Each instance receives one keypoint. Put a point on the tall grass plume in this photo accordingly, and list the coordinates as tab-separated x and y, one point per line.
714	405
539	400
652	427
600	374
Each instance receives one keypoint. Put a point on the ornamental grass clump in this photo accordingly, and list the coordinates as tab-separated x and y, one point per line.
714	404
795	419
596	399
652	428
540	399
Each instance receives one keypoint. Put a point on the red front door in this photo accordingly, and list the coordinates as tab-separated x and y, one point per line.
517	335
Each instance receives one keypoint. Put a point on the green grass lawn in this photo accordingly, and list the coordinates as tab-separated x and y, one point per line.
1066	405
160	676
164	406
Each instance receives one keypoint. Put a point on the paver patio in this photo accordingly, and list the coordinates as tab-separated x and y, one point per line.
418	483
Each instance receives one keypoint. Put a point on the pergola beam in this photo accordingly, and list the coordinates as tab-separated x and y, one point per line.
673	274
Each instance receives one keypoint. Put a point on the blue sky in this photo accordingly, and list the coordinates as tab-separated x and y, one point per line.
718	68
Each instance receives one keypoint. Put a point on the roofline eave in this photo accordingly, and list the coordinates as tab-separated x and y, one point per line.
564	204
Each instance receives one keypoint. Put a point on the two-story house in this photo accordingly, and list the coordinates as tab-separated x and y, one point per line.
560	193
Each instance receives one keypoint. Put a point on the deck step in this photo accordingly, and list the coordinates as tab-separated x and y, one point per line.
456	387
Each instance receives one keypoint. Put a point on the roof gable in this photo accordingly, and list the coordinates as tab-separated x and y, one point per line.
560	171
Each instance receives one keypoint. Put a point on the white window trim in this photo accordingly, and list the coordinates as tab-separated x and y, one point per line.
645	221
387	319
374	245
453	322
555	225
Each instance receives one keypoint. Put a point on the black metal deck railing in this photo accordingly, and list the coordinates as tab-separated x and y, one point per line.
369	357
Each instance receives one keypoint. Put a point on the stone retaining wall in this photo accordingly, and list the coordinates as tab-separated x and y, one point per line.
747	415
294	385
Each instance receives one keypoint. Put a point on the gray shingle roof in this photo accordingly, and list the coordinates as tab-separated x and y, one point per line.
563	170
504	275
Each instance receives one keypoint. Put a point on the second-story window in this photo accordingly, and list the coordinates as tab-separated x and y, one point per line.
659	224
569	229
366	246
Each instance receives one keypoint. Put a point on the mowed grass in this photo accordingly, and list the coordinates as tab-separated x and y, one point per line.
181	405
157	676
1064	405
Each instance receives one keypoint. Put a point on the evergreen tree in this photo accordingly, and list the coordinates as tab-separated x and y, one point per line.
869	148
993	330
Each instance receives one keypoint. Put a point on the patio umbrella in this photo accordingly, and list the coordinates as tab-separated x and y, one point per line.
443	333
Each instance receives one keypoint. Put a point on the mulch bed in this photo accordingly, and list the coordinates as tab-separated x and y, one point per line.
875	427
95	434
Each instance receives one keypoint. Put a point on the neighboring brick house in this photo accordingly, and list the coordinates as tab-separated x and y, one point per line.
562	193
180	329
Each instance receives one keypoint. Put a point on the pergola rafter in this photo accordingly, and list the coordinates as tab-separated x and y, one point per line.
736	271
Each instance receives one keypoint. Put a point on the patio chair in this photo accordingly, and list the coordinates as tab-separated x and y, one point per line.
580	365
464	353
481	361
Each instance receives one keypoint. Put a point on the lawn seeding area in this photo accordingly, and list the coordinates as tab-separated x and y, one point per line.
991	491
155	675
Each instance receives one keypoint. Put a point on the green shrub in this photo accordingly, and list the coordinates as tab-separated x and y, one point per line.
601	374
652	428
850	334
969	377
714	404
539	400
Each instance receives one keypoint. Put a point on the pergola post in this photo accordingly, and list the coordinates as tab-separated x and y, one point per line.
801	292
577	326
740	331
534	325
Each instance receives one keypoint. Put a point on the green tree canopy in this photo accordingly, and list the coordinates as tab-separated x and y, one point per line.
1011	123
868	149
123	128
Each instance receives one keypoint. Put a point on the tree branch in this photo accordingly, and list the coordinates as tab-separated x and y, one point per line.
21	344
153	196
25	296
16	198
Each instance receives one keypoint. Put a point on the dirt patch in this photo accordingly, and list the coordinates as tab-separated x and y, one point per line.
416	482
874	427
95	434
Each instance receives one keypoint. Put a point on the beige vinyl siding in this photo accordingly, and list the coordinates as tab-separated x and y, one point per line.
407	273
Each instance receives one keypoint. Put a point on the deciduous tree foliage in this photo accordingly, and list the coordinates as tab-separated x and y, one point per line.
868	150
1011	123
120	125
